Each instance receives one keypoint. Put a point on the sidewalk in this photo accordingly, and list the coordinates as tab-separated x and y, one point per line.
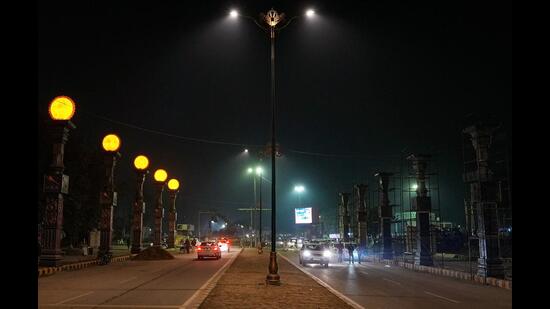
74	262
243	286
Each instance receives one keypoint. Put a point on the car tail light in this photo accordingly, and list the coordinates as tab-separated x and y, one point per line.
199	248
215	248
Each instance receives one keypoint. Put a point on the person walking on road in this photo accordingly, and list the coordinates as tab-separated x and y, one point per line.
340	248
351	247
187	245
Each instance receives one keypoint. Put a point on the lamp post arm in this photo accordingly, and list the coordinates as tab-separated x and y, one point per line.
287	23
255	21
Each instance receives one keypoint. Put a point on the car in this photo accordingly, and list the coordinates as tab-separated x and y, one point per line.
224	244
315	253
208	249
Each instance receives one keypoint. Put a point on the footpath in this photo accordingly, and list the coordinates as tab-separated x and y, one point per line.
243	285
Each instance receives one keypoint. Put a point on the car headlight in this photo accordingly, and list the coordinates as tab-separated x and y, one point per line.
307	253
327	254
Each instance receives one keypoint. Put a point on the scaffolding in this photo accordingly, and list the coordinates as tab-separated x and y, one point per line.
499	163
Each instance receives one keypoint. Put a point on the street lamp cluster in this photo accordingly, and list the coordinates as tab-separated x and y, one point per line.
61	111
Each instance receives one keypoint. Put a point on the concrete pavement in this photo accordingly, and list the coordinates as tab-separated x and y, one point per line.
374	285
131	284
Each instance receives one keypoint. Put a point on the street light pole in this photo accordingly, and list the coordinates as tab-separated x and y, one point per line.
108	196
160	176
140	163
56	183
261	246
173	186
272	18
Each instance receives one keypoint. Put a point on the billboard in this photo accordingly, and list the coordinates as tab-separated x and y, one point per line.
303	215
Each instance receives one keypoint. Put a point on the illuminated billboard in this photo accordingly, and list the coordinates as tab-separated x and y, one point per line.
303	215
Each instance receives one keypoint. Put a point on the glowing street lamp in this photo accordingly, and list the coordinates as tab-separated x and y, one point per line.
108	196
56	183
141	163
310	13
173	186
160	176
233	14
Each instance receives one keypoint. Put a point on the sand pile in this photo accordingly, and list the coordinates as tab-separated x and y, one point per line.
153	253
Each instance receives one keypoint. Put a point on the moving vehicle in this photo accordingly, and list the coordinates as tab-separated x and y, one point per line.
224	244
315	253
208	249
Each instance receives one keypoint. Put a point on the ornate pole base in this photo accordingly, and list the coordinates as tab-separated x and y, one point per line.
273	277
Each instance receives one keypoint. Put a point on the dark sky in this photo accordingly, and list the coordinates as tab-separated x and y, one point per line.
359	85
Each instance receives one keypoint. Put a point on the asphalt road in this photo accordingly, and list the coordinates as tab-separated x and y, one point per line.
130	284
374	285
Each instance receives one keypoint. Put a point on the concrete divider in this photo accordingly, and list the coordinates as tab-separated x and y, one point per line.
501	283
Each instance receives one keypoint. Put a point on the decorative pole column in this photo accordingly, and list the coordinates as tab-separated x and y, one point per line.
361	189
484	199
344	196
385	214
108	196
140	163
56	184
160	176
173	186
422	204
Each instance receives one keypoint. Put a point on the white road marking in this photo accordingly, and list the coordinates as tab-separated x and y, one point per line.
343	297
392	281
132	278
73	298
445	298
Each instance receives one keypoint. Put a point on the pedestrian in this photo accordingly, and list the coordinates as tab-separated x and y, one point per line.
340	248
359	253
128	242
350	253
187	245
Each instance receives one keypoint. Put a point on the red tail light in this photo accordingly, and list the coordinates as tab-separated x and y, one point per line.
215	248
199	248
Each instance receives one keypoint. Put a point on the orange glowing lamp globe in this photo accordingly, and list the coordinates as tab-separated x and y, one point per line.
160	175
61	108
141	162
111	142
173	184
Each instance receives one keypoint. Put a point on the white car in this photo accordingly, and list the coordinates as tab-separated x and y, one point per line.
315	254
208	249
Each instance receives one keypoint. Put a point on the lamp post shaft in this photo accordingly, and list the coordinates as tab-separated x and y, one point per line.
260	247
139	208
55	186
172	218
273	276
108	200
159	214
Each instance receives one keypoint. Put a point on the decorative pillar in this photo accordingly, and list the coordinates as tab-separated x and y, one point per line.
159	214
385	214
173	186
56	185
345	215
361	189
141	163
422	205
484	201
107	201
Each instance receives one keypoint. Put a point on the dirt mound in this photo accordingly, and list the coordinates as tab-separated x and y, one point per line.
153	253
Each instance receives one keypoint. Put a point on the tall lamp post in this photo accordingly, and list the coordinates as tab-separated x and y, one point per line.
108	196
273	21
173	186
160	176
140	163
56	184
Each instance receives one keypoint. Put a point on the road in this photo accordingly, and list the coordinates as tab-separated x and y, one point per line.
374	285
131	284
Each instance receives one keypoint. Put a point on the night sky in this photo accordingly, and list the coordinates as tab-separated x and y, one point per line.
358	86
